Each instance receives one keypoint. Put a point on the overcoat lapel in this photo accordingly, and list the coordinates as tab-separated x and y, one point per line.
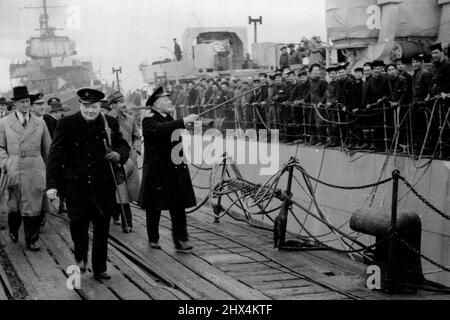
16	126
30	129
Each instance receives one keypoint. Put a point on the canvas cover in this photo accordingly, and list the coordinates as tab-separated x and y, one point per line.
347	19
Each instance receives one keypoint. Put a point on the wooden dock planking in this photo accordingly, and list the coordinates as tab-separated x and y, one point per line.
3	295
51	277
316	265
261	278
211	252
243	267
162	263
321	296
282	293
144	281
26	273
238	274
316	269
215	275
132	282
279	284
90	288
338	260
5	287
230	261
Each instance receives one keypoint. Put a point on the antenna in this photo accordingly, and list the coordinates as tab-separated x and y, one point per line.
255	21
43	19
117	71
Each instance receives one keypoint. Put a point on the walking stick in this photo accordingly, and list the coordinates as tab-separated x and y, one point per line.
122	210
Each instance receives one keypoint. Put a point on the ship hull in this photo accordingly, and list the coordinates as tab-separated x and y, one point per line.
340	168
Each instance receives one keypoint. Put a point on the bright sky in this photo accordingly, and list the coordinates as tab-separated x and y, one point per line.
126	33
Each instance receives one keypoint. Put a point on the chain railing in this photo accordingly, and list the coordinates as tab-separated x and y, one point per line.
425	201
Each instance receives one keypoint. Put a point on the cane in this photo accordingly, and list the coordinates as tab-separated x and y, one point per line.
117	187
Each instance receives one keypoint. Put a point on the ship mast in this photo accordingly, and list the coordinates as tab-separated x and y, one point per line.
43	20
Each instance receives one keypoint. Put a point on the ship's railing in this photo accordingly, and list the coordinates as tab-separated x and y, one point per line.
418	129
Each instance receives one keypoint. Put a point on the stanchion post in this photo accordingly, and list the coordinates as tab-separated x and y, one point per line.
441	127
218	208
305	132
385	128
255	126
391	281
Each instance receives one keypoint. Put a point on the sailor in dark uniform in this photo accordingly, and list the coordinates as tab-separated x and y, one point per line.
299	96
333	132
420	111
166	183
317	97
344	81
280	96
85	147
440	72
401	67
355	106
440	86
377	91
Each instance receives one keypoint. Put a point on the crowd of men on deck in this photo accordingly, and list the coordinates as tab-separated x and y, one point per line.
372	107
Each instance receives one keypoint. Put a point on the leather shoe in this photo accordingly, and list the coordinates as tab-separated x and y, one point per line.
183	246
14	235
127	230
117	222
155	245
82	265
33	246
102	276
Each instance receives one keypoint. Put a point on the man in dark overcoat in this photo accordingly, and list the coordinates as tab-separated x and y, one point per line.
85	146
166	183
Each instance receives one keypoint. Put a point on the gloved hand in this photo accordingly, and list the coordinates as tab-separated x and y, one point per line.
113	156
52	194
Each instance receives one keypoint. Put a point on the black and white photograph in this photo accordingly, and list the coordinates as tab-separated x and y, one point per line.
222	157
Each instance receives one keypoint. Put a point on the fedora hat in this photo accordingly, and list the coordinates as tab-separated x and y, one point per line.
20	92
114	97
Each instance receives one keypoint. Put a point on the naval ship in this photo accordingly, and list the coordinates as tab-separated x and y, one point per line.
52	67
357	32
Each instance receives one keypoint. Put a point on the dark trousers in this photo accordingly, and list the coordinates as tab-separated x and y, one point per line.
117	212
31	226
271	116
80	216
334	131
296	129
179	228
319	128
